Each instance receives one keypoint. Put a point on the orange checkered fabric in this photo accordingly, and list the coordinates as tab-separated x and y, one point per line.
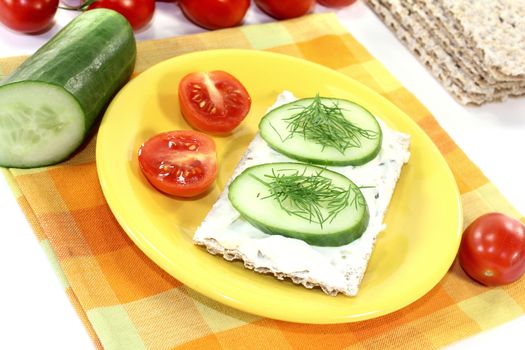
127	302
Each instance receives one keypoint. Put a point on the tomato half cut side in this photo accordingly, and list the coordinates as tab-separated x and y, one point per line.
214	101
181	163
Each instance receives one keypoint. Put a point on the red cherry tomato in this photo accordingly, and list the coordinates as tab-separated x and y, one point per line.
27	16
137	12
492	249
335	3
284	9
215	14
213	101
180	163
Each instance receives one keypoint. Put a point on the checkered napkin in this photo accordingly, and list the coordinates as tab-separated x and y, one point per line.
127	302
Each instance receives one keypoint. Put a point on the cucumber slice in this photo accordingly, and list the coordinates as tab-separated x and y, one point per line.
301	201
322	130
40	123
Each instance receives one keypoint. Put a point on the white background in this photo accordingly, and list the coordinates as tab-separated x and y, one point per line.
36	313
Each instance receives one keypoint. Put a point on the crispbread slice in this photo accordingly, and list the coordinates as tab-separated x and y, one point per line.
449	26
333	269
462	56
495	29
454	61
452	38
425	57
400	18
418	33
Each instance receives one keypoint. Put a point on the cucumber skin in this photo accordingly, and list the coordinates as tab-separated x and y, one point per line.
355	162
334	239
91	58
358	162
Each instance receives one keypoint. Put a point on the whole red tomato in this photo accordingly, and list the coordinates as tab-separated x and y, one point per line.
137	12
335	3
492	249
27	16
284	9
215	14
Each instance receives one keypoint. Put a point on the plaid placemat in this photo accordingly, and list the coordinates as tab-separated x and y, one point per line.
127	302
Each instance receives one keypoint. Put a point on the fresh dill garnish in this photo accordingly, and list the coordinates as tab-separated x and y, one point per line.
327	126
312	197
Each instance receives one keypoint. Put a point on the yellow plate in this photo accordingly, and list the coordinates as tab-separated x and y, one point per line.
424	220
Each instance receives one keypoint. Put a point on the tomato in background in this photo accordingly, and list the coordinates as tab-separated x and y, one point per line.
213	101
492	249
215	14
181	163
138	12
28	16
285	9
335	3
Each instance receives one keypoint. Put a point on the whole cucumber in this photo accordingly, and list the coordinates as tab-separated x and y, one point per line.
50	102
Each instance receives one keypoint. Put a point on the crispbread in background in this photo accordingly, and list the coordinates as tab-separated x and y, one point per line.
443	42
495	30
459	54
428	58
453	39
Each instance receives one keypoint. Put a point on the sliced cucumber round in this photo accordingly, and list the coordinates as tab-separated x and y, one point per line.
40	123
302	201
322	130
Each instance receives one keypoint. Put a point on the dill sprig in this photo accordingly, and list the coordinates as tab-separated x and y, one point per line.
312	197
327	126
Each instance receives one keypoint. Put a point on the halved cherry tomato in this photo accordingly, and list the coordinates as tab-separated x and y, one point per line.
213	101
181	163
492	249
335	3
215	14
285	9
